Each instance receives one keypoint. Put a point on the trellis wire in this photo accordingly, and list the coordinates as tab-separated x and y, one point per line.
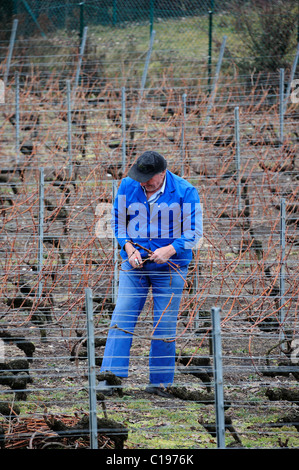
217	369
216	265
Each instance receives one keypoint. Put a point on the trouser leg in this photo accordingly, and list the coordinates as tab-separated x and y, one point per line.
132	293
167	292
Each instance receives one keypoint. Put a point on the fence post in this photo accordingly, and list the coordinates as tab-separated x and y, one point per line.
151	16
216	78
183	135
218	378
91	371
69	126
11	46
28	9
40	230
115	248
281	105
123	117
144	75
82	48
210	48
195	289
114	15
17	106
81	5
237	141
282	264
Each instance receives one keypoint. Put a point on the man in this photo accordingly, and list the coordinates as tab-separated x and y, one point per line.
157	220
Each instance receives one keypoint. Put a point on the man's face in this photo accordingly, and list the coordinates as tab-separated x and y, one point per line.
154	183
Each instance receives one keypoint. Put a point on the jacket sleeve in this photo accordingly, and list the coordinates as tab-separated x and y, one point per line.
191	222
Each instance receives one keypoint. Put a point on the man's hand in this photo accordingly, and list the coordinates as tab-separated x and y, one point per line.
161	255
134	256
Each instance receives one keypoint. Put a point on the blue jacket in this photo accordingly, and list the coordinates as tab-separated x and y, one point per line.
176	218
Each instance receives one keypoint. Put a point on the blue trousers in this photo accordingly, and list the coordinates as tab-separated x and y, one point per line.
167	287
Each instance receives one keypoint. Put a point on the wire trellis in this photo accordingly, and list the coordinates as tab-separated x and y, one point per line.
66	144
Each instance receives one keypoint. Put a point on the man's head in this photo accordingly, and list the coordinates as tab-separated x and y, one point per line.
148	165
154	183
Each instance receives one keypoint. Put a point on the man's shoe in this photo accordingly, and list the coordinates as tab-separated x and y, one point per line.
160	391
